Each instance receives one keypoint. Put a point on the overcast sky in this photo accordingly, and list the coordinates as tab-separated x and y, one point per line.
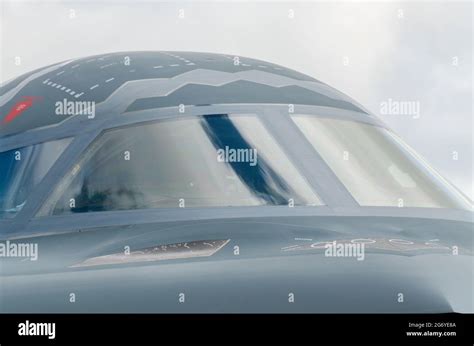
372	51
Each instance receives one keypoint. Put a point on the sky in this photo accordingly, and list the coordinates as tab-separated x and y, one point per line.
376	52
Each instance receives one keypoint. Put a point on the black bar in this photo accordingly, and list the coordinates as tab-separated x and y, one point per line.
241	328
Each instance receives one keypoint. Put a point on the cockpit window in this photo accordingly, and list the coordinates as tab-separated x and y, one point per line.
207	161
376	168
22	169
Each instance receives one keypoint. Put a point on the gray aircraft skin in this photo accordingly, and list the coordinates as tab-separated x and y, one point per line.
132	210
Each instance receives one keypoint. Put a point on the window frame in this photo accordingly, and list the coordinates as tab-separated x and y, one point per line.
84	131
47	208
450	193
67	143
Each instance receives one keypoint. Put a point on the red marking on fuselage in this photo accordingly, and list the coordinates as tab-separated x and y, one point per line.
20	107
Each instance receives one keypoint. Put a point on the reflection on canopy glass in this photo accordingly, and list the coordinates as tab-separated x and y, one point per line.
22	169
215	160
375	167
